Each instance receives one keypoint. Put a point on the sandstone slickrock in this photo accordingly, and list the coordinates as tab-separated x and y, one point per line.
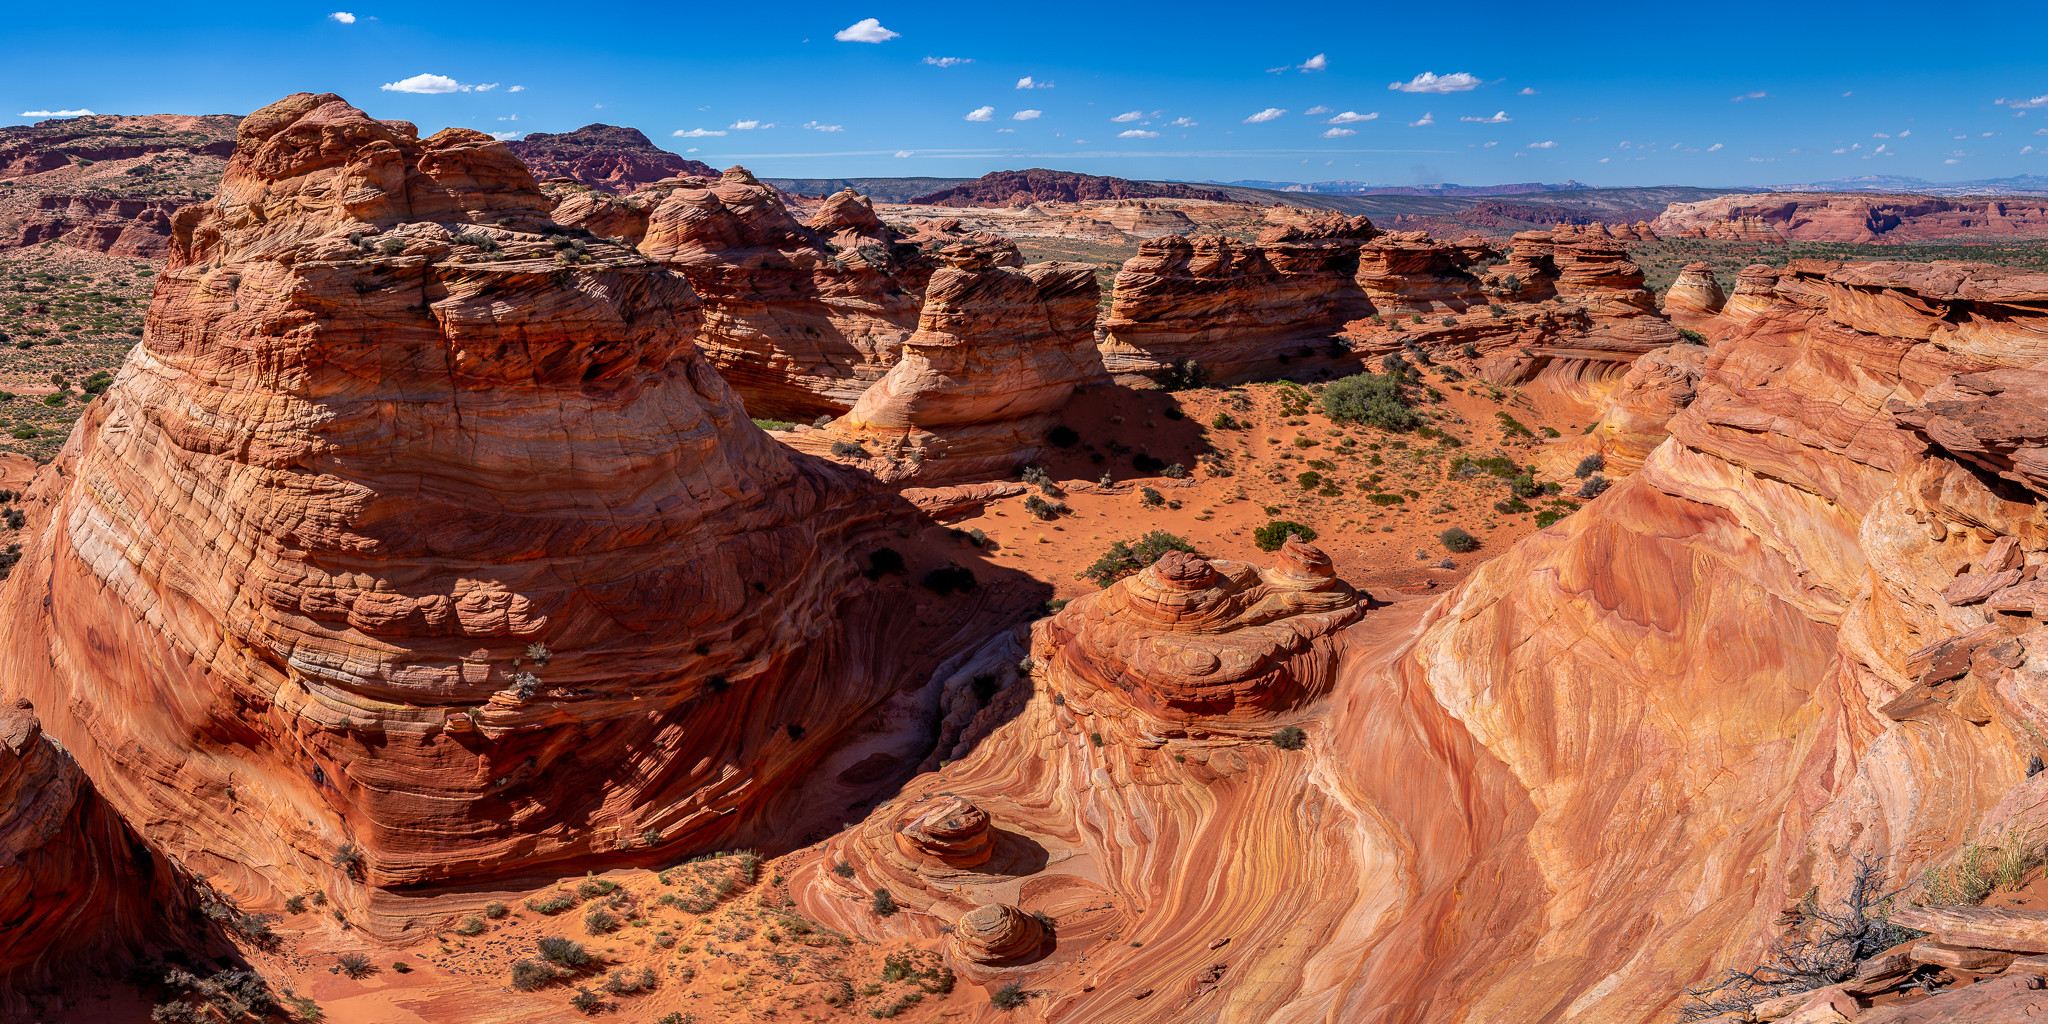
1406	272
604	157
1855	217
798	324
1230	307
998	351
415	547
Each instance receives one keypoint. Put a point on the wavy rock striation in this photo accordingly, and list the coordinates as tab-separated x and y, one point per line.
416	547
1855	217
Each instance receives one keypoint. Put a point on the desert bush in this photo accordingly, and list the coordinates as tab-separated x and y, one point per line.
1819	946
349	858
1185	375
1548	518
1310	480
1150	498
1692	336
1008	997
1458	540
355	965
773	425
883	561
1124	558
475	238
1290	738
1043	509
1225	421
1383	499
883	904
1589	465
599	921
295	905
630	981
1594	487
563	952
1274	534
471	926
586	1000
849	450
552	903
1372	399
843	869
528	975
1175	472
1511	506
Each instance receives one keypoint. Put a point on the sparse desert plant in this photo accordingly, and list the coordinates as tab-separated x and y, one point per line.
849	450
1008	997
305	1009
471	926
1594	486
1045	510
1271	536
586	1000
349	858
599	921
552	903
1150	498
630	981
1185	375
495	910
948	578
295	905
883	562
822	421
1290	738
1458	539
1589	465
563	952
1225	421
1124	558
1819	946
1692	336
1175	472
528	975
592	887
1374	399
355	965
773	425
391	246
883	904
843	869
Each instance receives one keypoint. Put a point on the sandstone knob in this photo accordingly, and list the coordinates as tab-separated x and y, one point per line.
948	830
1303	562
1179	570
996	932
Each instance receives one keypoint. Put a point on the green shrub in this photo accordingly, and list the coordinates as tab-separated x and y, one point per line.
1589	465
884	904
843	869
599	921
391	246
1274	534
528	975
773	424
1185	375
1548	517
471	926
1290	738
1008	997
1150	498
1594	487
1372	399
355	965
1458	540
948	578
1124	558
563	952
1225	421
586	1000
495	910
630	981
849	450
552	903
1692	336
1384	500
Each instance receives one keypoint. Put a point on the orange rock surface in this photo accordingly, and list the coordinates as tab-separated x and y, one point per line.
1855	217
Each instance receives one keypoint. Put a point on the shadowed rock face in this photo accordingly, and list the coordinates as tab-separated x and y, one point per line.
415	526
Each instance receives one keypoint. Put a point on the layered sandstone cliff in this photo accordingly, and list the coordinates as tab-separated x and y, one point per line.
999	349
1855	217
605	157
108	183
415	546
1695	295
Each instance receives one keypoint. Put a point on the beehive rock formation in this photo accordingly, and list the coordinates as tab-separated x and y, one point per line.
1406	272
1695	295
998	351
422	534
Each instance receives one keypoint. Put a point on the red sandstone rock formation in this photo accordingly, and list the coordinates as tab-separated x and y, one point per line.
798	323
1855	217
998	351
423	546
1406	272
1695	295
108	183
1233	308
1022	188
604	157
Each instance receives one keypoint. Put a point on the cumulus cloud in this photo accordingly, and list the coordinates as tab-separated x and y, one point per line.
1500	117
487	87
506	136
1429	82
1318	62
747	126
1317	109
1128	116
1028	82
948	62
1027	115
982	114
1490	145
343	16
57	113
1604	159
1137	133
1526	91
1757	95
695	133
1338	133
1427	120
2025	104
1353	117
427	85
1713	147
901	153
1879	135
1182	122
866	30
1268	114
1004	131
1763	159
1543	145
517	88
2041	131
816	127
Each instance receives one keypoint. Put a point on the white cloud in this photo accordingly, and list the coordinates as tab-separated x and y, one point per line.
1268	114
1500	117
1757	95
2024	150
343	16
948	62
2038	101
56	113
982	114
1318	62
1542	145
1027	115
506	136
1490	145
1080	142
487	87
1881	148
1879	135
1317	109
1137	133
1763	159
1353	117
1428	82
1182	122
1526	91
816	127
866	30
1713	147
1009	131
428	85
695	133
1604	159
692	149
1338	133
2037	131
901	153
517	88
1427	120
1128	116
747	126
1951	160
1027	82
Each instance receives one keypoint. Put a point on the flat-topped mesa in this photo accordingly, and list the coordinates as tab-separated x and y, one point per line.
798	324
996	933
1406	272
432	540
998	351
1234	309
608	158
1695	295
1200	643
948	831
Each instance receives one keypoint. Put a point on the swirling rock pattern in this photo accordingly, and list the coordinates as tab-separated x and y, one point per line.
995	933
949	830
1695	294
420	530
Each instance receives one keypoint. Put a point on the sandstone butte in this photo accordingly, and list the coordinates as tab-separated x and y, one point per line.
285	585
108	183
1854	217
800	319
411	535
604	157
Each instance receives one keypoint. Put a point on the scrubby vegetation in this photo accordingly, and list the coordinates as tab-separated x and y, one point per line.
1820	945
1373	399
1271	536
1124	558
1458	539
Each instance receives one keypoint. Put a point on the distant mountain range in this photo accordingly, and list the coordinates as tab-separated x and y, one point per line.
2022	184
1364	188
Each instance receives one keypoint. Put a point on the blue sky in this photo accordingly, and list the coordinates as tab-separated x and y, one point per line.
1657	93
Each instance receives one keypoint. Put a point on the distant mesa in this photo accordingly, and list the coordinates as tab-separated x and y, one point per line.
604	157
1022	188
